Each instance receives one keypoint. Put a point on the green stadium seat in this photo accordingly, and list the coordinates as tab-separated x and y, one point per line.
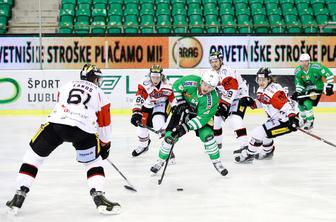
290	14
110	2
259	15
162	1
239	4
243	15
67	14
331	4
294	27
317	4
148	1
306	15
99	15
195	23
270	6
227	11
162	9
322	16
178	1
204	2
210	9
274	14
131	9
227	19
212	24
285	4
302	4
115	9
224	1
178	9
131	2
83	13
100	3
278	27
84	2
147	24
163	24
5	10
245	27
65	2
114	24
194	10
131	24
147	9
180	24
194	2
310	27
3	25
261	26
82	27
229	27
256	4
98	27
224	5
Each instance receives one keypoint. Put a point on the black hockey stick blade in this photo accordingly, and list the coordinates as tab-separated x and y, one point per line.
130	188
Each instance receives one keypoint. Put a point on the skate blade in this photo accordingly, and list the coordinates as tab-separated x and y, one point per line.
115	210
13	211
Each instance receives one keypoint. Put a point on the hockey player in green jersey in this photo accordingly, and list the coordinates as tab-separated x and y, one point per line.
308	81
198	95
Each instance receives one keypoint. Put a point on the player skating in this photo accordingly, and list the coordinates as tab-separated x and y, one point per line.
282	118
234	100
198	95
151	106
82	117
309	81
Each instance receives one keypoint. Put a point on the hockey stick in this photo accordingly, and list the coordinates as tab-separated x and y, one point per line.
129	186
170	152
309	95
317	137
159	132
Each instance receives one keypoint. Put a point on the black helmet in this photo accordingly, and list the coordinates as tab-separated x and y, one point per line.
91	73
216	55
264	72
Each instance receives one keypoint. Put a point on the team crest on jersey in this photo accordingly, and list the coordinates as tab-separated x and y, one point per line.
190	83
187	95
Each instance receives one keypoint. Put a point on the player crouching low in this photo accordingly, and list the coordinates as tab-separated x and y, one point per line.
199	95
283	118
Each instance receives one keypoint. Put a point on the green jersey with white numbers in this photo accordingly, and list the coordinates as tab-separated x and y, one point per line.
312	80
205	106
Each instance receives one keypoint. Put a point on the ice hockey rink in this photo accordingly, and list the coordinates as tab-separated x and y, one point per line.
298	184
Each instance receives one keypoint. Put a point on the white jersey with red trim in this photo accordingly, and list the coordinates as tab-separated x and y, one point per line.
275	102
150	96
232	86
83	104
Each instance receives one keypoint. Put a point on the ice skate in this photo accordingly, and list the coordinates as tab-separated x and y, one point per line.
265	155
238	152
104	206
220	168
246	156
157	166
16	203
309	126
139	150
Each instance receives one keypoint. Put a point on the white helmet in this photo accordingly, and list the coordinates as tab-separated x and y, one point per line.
304	57
210	77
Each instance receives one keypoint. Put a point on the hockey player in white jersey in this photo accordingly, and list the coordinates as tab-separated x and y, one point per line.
282	118
151	106
82	117
234	99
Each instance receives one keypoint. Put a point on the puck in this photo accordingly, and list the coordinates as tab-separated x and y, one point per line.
179	189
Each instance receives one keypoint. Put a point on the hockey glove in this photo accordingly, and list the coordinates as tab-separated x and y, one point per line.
223	110
181	107
247	101
180	130
105	149
136	118
329	89
296	95
293	122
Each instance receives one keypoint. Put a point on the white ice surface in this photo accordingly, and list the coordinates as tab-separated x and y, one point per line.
299	184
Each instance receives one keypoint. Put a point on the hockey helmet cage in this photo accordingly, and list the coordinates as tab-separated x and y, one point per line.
91	73
304	57
155	70
210	77
216	55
